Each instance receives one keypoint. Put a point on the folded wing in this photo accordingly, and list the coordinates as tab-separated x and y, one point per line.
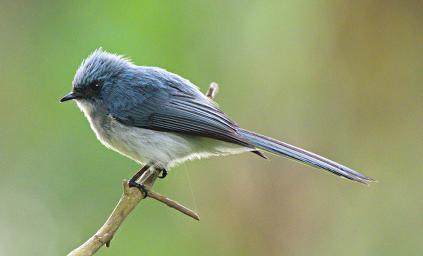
175	110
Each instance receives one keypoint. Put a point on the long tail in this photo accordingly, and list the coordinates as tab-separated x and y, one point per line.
284	149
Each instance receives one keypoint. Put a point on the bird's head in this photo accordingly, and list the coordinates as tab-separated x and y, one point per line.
98	75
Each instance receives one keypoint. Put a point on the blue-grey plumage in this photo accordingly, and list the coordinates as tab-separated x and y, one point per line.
152	115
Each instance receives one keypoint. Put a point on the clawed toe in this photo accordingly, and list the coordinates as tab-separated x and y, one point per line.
141	187
163	173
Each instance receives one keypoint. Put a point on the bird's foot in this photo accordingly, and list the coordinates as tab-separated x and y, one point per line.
141	187
163	173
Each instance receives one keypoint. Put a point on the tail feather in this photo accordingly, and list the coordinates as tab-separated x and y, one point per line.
285	149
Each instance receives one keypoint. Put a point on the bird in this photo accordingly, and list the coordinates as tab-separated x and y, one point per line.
160	119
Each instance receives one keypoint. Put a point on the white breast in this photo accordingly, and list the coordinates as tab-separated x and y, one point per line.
144	145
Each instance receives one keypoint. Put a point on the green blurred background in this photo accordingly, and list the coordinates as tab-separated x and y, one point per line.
340	78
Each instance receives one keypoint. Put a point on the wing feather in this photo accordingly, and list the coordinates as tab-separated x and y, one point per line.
174	109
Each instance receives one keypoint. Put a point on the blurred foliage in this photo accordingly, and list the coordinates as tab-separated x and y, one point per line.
340	78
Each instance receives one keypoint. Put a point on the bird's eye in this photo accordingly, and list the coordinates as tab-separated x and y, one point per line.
95	85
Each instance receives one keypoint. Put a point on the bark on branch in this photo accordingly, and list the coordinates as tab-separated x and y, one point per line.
130	198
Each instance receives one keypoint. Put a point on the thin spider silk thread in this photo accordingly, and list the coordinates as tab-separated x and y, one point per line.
188	178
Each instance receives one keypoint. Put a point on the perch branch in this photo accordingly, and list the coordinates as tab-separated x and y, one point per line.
130	198
173	204
213	90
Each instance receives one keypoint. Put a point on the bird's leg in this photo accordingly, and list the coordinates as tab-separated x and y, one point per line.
141	172
133	181
163	173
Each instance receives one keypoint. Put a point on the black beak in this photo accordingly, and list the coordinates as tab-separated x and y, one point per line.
70	96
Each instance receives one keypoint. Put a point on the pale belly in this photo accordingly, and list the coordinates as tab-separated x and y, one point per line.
164	148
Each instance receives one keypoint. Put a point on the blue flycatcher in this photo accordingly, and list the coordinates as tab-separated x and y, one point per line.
160	119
